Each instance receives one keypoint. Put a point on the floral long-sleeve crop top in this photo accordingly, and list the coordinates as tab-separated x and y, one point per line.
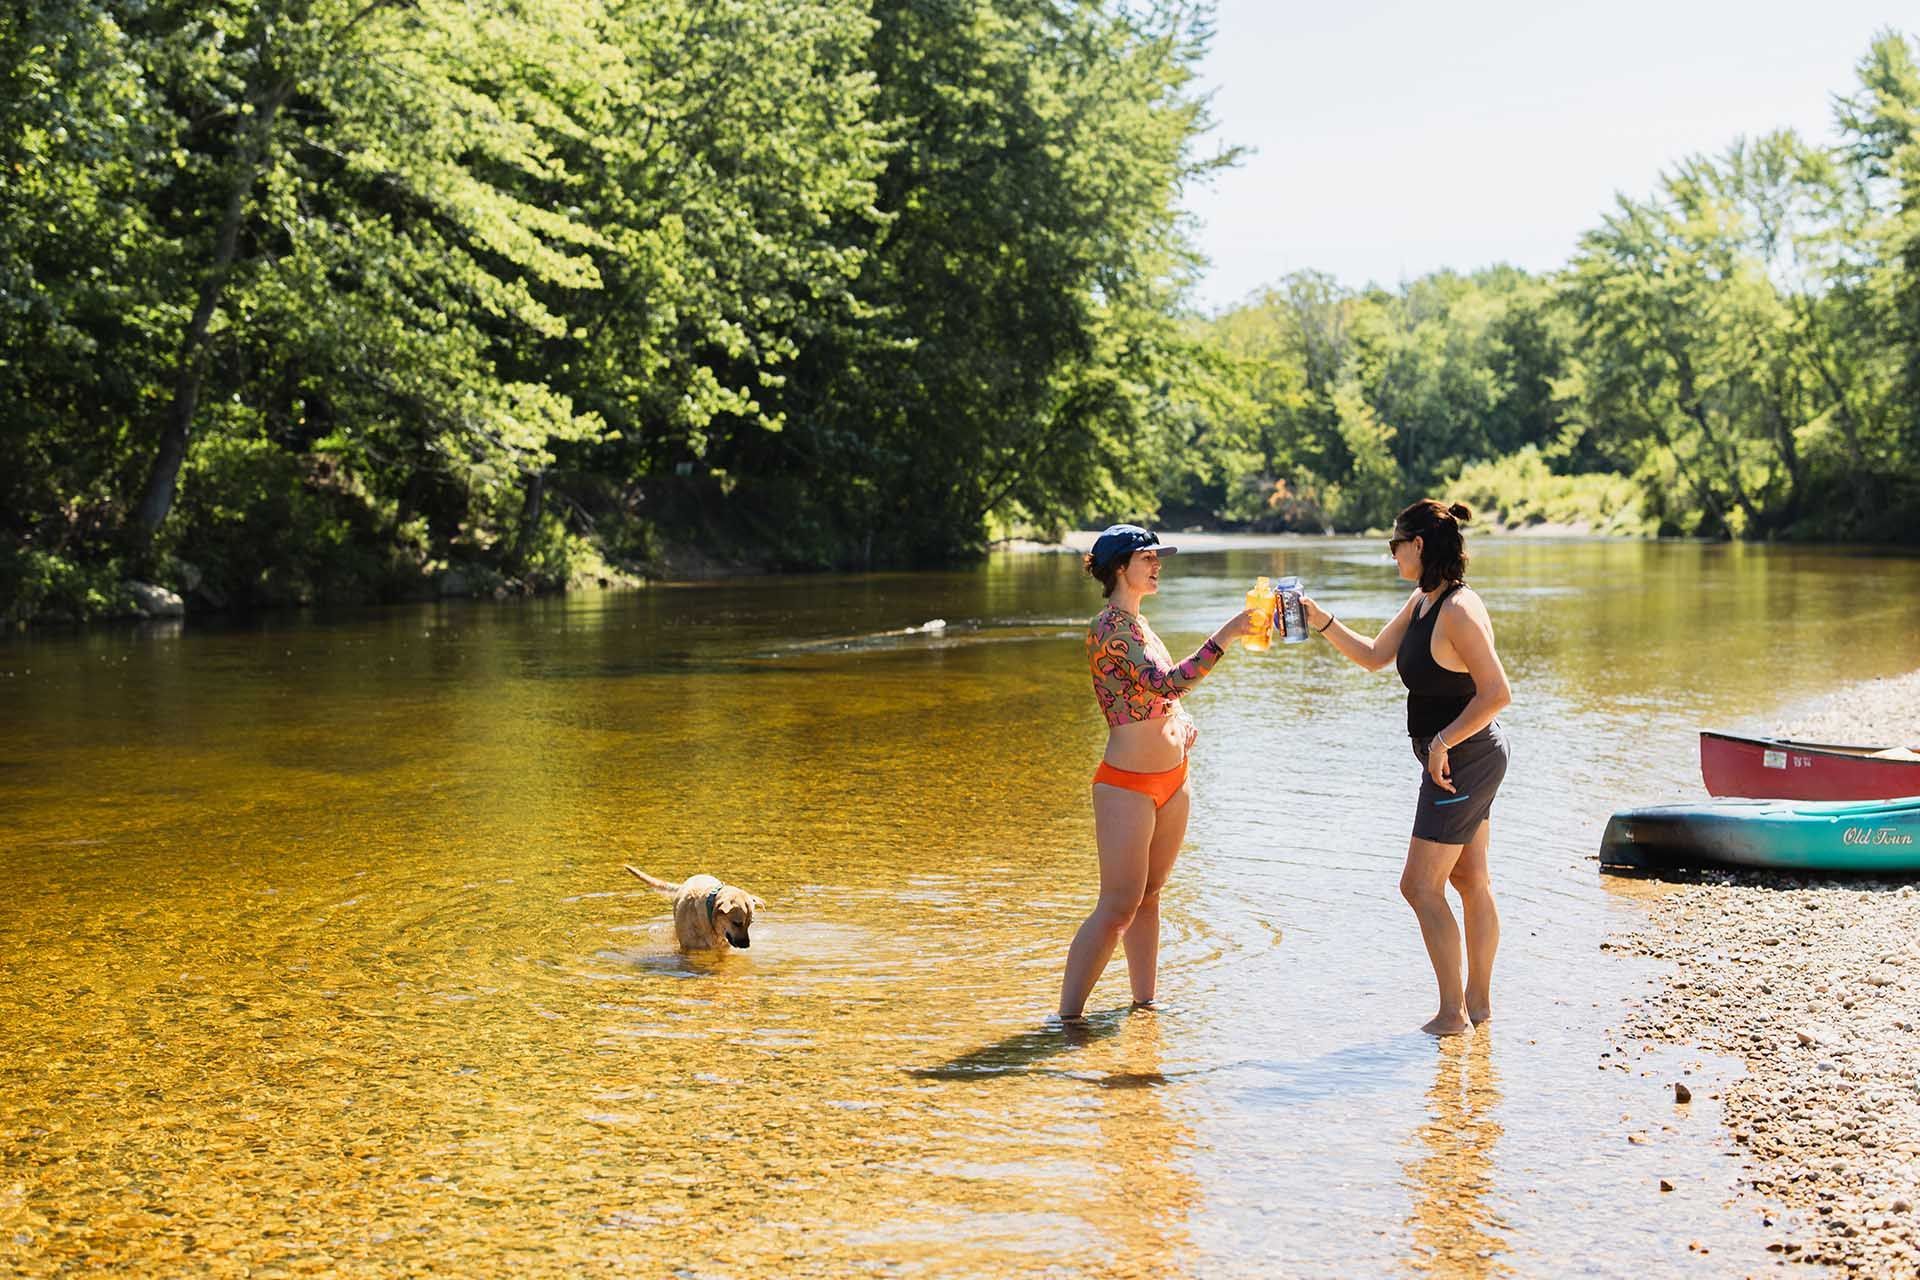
1134	678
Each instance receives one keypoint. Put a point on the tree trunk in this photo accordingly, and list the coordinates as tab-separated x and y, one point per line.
191	367
531	510
1729	457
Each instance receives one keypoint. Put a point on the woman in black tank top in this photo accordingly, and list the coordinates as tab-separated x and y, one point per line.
1442	643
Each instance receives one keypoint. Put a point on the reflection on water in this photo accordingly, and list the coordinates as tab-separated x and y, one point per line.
1456	1229
1126	1204
1150	1191
317	956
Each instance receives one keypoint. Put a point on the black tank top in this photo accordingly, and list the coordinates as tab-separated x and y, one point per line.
1435	695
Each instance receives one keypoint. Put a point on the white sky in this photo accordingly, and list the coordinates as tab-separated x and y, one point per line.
1393	138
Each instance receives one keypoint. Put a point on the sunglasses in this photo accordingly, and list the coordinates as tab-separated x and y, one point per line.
1394	545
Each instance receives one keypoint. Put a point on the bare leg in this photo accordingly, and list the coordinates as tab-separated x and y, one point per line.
1123	828
1470	880
1424	885
1142	938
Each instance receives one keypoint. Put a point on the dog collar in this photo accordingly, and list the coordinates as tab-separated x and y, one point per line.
713	899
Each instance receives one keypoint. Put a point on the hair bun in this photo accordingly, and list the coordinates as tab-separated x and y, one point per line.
1461	512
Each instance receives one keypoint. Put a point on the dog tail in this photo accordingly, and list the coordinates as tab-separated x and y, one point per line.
661	885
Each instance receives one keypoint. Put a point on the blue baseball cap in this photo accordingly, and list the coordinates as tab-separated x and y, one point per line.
1123	539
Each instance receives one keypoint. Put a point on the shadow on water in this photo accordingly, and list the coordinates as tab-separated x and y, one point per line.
1024	1051
1378	1065
674	964
1381	1065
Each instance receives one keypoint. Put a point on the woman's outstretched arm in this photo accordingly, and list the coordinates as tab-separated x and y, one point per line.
1118	649
1371	652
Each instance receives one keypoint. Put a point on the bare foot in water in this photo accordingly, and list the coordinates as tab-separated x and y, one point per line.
1448	1024
1480	1015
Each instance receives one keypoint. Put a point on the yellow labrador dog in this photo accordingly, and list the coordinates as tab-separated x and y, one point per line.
707	914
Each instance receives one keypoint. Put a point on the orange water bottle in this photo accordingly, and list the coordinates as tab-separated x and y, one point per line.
1260	604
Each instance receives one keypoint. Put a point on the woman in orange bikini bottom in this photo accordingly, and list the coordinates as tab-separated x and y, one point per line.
1157	787
1137	685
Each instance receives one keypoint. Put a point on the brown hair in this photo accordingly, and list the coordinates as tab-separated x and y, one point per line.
1108	574
1443	548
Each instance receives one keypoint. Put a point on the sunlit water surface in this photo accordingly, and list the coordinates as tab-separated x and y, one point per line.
316	953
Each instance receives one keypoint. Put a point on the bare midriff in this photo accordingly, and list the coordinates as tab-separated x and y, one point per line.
1149	746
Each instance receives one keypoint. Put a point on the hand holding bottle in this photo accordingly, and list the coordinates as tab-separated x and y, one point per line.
1317	618
1238	625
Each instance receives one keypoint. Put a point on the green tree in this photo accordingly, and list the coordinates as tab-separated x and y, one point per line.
363	215
1685	362
1873	268
80	312
1020	295
733	183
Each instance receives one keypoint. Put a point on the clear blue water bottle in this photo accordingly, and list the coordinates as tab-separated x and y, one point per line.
1290	618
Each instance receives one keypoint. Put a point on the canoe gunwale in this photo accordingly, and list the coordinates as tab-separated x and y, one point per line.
1733	765
1839	749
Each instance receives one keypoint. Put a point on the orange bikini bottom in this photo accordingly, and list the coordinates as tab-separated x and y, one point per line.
1157	787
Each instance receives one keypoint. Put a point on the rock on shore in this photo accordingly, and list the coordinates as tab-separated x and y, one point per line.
150	601
1815	984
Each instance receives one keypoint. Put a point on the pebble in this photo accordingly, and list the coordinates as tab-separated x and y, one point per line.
1831	1135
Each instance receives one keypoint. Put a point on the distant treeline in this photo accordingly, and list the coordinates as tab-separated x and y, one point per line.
319	300
1737	355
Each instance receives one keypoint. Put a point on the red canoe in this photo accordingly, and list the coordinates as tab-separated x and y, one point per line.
1780	769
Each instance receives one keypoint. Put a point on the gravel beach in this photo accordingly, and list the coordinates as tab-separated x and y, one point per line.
1815	985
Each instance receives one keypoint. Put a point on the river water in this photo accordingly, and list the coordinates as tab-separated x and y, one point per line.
316	954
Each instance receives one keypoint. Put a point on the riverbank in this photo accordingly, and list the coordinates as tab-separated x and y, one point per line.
1080	541
180	590
1815	985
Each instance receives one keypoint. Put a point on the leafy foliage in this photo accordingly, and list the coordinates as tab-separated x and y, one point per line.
317	299
431	283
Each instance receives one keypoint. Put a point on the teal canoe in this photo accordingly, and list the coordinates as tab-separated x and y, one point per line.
1881	837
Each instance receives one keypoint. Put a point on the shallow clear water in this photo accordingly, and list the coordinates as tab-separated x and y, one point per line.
316	953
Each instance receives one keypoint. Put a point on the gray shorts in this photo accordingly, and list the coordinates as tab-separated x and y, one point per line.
1476	767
